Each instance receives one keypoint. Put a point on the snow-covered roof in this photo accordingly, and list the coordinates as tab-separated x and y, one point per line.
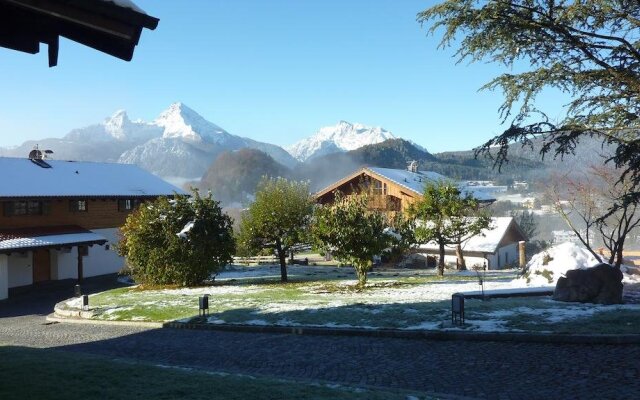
415	181
487	242
22	177
30	242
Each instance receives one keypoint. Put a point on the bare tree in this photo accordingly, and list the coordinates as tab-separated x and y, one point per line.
584	202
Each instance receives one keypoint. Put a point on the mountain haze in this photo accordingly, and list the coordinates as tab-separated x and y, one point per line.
179	145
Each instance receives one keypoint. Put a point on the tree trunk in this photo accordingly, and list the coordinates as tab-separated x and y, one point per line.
362	276
461	264
441	260
619	256
282	256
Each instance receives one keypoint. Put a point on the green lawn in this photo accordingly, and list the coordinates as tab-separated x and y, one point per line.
27	373
393	299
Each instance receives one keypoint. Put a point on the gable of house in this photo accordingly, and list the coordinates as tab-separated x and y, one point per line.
391	189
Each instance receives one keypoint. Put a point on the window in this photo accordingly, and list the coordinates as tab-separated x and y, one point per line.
379	187
26	207
127	205
78	205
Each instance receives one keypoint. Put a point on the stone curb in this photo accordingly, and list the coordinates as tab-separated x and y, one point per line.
414	334
76	320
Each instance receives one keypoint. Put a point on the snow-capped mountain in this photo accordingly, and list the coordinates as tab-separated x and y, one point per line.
189	144
181	122
342	137
179	145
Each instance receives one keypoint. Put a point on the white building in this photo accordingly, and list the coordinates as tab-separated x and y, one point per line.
496	248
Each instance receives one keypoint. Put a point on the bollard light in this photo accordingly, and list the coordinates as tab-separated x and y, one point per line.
85	302
457	309
77	290
203	303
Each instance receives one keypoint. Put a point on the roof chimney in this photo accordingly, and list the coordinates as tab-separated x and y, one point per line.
413	166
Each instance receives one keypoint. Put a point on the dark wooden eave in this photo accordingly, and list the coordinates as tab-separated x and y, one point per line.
102	25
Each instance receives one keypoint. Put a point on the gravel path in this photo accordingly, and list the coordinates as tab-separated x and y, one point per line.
475	369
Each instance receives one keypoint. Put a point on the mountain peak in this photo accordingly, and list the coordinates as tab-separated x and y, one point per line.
180	121
117	124
344	136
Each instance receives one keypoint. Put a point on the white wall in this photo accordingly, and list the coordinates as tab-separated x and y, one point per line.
66	264
470	261
100	261
494	261
506	256
4	276
20	269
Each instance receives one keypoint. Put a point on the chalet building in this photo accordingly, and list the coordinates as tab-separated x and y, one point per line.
494	248
391	189
60	219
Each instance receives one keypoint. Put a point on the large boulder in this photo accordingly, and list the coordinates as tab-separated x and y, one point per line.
601	284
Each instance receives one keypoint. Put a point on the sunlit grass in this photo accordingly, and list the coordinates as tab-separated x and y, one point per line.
393	299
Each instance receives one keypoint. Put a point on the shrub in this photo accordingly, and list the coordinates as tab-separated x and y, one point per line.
177	242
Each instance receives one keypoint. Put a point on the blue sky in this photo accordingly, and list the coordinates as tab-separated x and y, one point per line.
274	71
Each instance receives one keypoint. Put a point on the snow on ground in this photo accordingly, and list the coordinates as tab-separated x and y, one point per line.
390	292
547	266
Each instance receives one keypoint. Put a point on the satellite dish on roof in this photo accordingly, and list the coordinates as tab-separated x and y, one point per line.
37	156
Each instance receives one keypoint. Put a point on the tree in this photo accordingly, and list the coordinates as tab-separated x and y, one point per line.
527	221
587	198
447	217
588	49
177	242
278	218
351	232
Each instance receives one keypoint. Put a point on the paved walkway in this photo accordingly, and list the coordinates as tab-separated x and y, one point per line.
476	369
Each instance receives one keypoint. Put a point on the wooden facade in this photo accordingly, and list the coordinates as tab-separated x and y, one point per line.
386	195
100	213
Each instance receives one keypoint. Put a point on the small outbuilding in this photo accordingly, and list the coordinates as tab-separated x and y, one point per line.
494	248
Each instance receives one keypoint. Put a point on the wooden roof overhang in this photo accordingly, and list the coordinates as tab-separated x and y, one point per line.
334	186
103	25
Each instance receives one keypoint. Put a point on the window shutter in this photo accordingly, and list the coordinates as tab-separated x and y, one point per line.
73	205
